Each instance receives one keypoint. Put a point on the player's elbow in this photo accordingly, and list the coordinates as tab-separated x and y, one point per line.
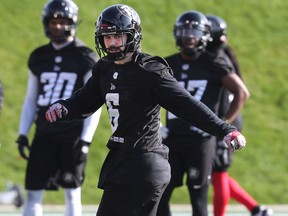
244	94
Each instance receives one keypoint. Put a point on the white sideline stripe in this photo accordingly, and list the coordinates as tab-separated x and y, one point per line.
177	210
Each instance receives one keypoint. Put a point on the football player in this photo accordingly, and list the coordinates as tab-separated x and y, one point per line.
204	75
57	155
134	85
225	186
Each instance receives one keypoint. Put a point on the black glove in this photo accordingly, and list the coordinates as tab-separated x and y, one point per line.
81	151
222	154
23	144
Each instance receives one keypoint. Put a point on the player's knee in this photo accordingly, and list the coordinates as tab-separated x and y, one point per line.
35	196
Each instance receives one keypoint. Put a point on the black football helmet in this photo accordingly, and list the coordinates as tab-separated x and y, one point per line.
218	31
192	24
60	9
118	19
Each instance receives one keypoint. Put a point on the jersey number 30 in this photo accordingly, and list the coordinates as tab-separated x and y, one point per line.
56	86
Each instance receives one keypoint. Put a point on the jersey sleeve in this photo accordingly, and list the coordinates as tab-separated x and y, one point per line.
90	125
29	106
85	101
89	55
176	99
223	65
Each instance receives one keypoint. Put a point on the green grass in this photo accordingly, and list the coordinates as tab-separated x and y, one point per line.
258	32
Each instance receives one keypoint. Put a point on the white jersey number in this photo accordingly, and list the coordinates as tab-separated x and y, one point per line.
56	84
112	100
196	88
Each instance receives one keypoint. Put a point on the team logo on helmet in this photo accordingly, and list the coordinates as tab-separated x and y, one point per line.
129	12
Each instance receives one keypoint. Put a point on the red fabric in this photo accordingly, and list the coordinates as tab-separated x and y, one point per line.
226	187
240	195
221	195
234	134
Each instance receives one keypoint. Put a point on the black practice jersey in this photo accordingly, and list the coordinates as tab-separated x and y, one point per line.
133	93
59	73
202	78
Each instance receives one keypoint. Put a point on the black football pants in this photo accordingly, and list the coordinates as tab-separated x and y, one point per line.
198	199
130	200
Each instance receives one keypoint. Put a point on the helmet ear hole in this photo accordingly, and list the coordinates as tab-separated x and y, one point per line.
118	19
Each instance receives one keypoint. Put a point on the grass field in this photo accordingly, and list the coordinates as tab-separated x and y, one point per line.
258	32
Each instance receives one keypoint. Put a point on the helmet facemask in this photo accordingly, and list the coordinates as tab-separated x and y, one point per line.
118	20
191	38
65	9
67	31
120	53
192	26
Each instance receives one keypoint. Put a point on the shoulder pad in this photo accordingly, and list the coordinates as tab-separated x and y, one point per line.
85	50
154	64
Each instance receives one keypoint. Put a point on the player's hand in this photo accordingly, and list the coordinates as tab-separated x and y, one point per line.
235	140
55	112
23	146
164	132
81	151
222	154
